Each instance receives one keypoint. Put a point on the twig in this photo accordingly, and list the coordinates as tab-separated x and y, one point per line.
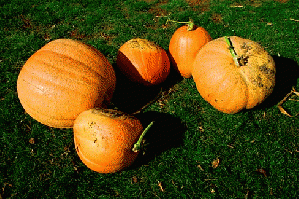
279	105
294	19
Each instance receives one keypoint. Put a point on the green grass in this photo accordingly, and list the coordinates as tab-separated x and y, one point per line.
41	162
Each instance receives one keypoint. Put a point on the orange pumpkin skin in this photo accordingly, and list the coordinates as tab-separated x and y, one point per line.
228	87
143	61
104	139
183	47
62	79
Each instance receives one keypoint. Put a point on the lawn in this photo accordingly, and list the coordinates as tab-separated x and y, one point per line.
193	151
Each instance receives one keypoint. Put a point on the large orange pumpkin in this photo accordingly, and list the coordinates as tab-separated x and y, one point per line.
234	73
63	79
184	46
105	138
143	61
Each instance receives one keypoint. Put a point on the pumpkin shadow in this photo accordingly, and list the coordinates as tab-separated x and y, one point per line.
130	96
287	73
166	132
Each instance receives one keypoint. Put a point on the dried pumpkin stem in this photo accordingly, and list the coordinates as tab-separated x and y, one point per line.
190	23
137	145
232	50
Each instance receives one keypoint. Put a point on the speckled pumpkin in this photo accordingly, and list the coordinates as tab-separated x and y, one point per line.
104	139
143	61
229	84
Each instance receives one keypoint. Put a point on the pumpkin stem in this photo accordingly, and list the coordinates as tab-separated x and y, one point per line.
137	145
190	23
232	50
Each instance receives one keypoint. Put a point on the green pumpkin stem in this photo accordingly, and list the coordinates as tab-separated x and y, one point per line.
190	23
137	145
232	50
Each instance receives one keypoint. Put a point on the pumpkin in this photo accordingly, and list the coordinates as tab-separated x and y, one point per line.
143	61
63	79
105	139
184	46
233	74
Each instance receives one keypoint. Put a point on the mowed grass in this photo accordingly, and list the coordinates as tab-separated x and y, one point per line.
193	151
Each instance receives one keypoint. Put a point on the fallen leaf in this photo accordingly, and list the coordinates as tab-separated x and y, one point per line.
283	111
31	141
134	180
215	163
201	129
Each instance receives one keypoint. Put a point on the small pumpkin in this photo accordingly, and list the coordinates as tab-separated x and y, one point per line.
233	73
143	61
63	79
105	139
184	46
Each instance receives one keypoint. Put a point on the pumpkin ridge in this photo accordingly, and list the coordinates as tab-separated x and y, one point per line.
61	86
246	87
62	71
73	45
90	68
35	112
86	50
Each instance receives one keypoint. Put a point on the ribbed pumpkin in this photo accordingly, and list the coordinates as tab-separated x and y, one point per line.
184	46
234	73
63	79
104	139
143	61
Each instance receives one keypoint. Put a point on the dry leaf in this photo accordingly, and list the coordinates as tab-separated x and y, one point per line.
201	129
283	111
31	141
134	180
215	163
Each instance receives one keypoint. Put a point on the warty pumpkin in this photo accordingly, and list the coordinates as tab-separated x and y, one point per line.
233	73
143	61
63	79
107	140
184	46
